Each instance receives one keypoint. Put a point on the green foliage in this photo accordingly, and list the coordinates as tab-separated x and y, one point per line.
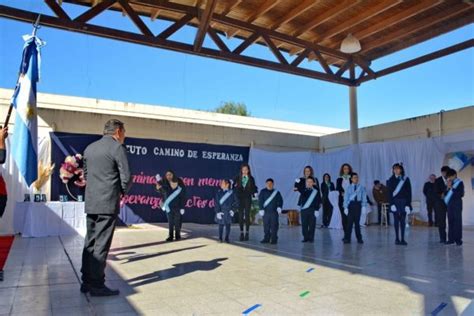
233	108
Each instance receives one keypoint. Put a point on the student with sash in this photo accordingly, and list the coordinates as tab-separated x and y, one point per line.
399	190
453	201
270	202
326	187
355	204
440	206
245	188
173	203
342	183
300	183
226	202
309	203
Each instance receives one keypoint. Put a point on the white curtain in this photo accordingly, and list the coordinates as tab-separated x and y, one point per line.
16	187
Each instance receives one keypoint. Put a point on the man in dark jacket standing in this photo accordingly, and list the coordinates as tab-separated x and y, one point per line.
429	190
107	174
440	207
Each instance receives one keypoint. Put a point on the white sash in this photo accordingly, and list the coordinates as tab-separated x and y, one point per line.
166	206
270	199
225	197
310	199
448	196
399	187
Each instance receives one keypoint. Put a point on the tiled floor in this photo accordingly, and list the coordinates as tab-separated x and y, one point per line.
198	276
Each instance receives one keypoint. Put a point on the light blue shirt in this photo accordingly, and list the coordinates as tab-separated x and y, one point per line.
360	195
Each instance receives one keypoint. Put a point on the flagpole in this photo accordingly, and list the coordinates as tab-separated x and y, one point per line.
36	26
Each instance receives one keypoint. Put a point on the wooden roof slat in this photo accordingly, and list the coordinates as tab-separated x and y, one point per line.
95	11
325	16
173	28
290	15
53	5
416	26
266	6
204	24
355	20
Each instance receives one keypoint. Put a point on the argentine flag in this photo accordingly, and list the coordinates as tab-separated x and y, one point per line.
25	135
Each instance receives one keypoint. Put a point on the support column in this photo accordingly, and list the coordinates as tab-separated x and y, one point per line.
353	113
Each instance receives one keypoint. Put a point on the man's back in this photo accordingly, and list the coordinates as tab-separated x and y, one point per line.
107	175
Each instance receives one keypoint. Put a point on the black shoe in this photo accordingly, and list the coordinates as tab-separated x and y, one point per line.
397	242
247	236
169	239
103	291
449	242
264	241
403	243
85	288
1	275
304	240
430	224
346	241
273	242
311	240
442	241
241	237
178	238
360	241
220	239
459	243
227	240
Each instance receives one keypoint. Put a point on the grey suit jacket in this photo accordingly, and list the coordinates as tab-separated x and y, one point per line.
107	174
3	156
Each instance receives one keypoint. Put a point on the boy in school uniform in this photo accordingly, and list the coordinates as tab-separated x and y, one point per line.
355	204
225	203
309	203
270	202
453	200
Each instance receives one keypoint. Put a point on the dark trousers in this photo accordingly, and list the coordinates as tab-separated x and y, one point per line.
308	224
174	223
270	226
343	215
100	231
327	213
379	214
353	220
399	219
244	213
455	225
221	231
3	204
430	209
440	213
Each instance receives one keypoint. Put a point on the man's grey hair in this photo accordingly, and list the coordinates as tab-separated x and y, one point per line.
111	126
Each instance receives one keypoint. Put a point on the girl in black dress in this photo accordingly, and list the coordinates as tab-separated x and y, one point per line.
326	187
342	183
245	189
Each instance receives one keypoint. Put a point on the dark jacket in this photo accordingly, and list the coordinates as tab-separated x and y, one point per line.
3	156
247	191
380	195
325	189
429	190
455	203
178	202
440	188
277	201
405	191
315	205
107	174
300	184
230	204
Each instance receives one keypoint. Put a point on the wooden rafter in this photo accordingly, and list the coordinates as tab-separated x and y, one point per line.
95	11
301	57
325	16
343	68
56	8
266	6
215	37
380	7
293	13
204	21
323	62
173	28
229	7
274	49
154	15
417	26
135	18
246	43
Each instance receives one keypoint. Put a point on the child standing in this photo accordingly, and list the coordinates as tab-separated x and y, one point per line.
355	204
226	201
309	203
453	200
270	202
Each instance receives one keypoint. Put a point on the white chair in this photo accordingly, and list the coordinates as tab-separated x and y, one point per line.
416	205
385	214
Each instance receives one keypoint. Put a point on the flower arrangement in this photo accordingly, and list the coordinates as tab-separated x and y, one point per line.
72	171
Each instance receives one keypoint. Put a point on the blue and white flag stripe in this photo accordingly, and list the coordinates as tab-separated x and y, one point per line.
25	134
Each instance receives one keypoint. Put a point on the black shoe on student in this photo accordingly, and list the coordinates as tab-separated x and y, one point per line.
459	243
442	241
227	240
450	242
304	240
397	242
85	288
246	236
403	243
311	240
346	241
169	239
360	241
220	239
241	237
103	291
273	242
178	237
264	241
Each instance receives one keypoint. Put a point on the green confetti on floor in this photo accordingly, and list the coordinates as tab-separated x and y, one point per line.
304	294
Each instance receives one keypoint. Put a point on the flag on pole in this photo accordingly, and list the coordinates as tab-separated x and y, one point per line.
25	135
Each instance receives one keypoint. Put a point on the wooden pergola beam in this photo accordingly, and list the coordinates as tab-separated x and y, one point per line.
274	49
340	7
246	43
173	28
95	11
420	60
152	41
135	18
215	37
323	62
417	26
56	8
301	57
293	13
204	24
264	8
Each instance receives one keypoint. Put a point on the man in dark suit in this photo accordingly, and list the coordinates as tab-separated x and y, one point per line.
429	190
440	206
107	174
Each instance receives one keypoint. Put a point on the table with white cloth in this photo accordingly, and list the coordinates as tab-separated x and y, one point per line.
43	219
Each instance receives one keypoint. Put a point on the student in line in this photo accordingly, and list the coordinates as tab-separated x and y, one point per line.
355	204
270	202
326	187
309	203
245	188
225	203
453	200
